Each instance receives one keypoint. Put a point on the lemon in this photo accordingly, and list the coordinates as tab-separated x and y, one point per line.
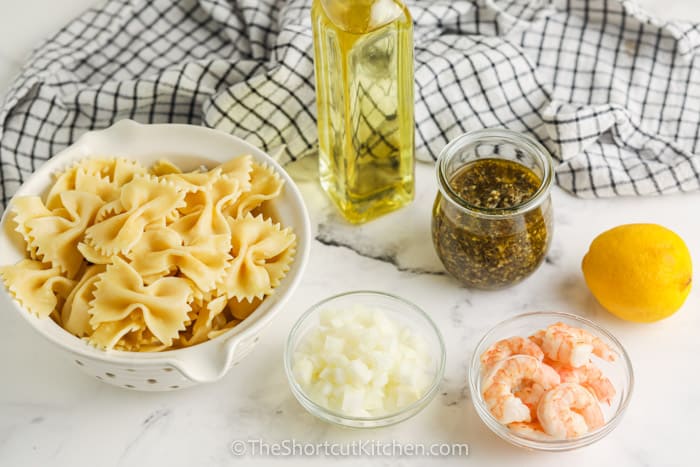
638	272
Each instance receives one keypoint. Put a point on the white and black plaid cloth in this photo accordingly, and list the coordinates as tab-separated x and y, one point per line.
614	94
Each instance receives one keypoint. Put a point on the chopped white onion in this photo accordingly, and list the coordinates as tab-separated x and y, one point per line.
360	362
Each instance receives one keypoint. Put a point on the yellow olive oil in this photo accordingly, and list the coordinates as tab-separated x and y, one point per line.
364	89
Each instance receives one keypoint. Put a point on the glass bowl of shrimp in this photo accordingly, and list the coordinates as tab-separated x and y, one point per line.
550	381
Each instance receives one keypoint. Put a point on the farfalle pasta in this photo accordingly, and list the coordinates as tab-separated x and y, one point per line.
205	201
149	259
163	250
162	306
38	286
55	235
75	316
208	320
265	185
142	202
101	177
262	252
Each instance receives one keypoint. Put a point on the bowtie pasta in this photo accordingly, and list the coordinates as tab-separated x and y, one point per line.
149	259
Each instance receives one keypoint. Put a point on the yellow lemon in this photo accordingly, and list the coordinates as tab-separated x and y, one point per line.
638	272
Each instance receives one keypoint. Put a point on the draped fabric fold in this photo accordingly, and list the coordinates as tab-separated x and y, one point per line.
613	93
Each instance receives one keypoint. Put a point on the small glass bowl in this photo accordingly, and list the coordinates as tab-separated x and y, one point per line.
402	311
619	372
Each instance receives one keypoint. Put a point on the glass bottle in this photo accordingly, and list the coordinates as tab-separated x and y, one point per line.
492	217
364	89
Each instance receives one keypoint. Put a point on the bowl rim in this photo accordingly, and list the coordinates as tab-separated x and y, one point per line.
81	149
548	445
349	420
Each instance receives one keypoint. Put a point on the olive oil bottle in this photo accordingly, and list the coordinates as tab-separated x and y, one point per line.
364	89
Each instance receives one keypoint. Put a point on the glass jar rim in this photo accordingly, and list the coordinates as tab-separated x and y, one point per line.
497	135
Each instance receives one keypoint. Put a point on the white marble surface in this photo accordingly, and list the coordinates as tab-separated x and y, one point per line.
51	414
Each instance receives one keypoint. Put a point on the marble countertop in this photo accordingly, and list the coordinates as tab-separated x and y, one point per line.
52	414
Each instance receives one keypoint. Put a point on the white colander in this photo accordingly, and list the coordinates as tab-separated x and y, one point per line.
188	147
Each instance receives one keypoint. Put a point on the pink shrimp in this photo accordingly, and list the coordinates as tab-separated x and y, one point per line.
531	395
532	430
568	411
570	345
537	338
508	347
590	377
510	376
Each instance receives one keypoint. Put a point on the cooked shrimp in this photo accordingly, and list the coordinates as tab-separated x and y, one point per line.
568	411
507	347
590	377
537	338
532	430
530	396
512	375
573	346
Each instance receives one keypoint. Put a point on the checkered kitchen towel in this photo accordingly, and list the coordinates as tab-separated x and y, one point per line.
614	94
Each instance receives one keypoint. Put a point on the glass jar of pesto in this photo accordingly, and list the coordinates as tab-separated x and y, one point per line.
492	217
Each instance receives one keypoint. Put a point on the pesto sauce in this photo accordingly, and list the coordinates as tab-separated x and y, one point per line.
492	252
